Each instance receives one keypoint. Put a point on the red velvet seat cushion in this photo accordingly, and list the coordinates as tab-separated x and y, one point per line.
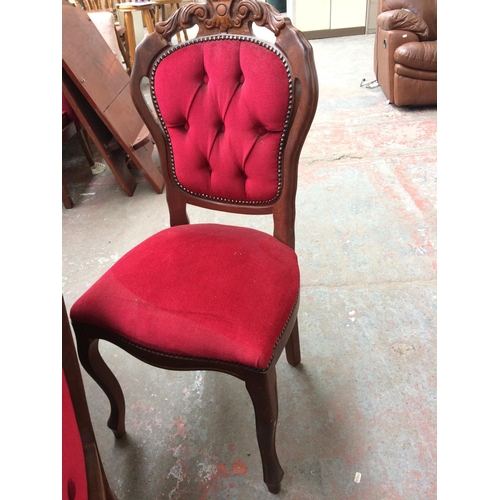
74	475
204	290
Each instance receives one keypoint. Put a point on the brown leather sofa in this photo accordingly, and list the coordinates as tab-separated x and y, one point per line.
405	59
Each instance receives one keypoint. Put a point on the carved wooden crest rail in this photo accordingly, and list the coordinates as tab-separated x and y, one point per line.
227	16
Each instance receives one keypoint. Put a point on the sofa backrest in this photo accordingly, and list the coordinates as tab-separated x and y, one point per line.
426	9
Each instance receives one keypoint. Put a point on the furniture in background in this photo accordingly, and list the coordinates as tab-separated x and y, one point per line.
232	112
83	475
161	14
147	12
103	15
97	88
71	126
405	58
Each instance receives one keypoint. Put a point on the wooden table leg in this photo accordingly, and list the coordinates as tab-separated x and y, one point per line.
148	21
130	31
66	197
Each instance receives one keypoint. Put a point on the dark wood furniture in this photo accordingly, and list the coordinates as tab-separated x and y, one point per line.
147	12
120	32
82	465
161	14
97	88
214	297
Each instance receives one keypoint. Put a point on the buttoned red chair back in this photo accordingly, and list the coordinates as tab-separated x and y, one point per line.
231	110
225	114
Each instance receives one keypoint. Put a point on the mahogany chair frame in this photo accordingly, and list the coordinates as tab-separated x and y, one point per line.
225	18
97	483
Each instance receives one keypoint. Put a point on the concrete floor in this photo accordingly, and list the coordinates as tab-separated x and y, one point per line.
364	398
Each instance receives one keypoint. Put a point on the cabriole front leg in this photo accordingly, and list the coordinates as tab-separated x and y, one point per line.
90	357
263	391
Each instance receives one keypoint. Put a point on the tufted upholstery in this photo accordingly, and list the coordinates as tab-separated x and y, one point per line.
225	113
176	293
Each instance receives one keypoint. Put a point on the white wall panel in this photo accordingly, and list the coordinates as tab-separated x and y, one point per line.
347	14
311	15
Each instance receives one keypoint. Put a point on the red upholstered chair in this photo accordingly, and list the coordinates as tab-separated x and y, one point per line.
83	476
231	115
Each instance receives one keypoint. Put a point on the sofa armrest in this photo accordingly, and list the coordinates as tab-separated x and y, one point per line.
403	20
417	55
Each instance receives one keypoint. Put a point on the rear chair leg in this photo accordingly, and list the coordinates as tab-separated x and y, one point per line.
293	346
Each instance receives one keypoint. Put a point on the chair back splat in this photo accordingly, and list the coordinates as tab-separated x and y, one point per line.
230	122
230	113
